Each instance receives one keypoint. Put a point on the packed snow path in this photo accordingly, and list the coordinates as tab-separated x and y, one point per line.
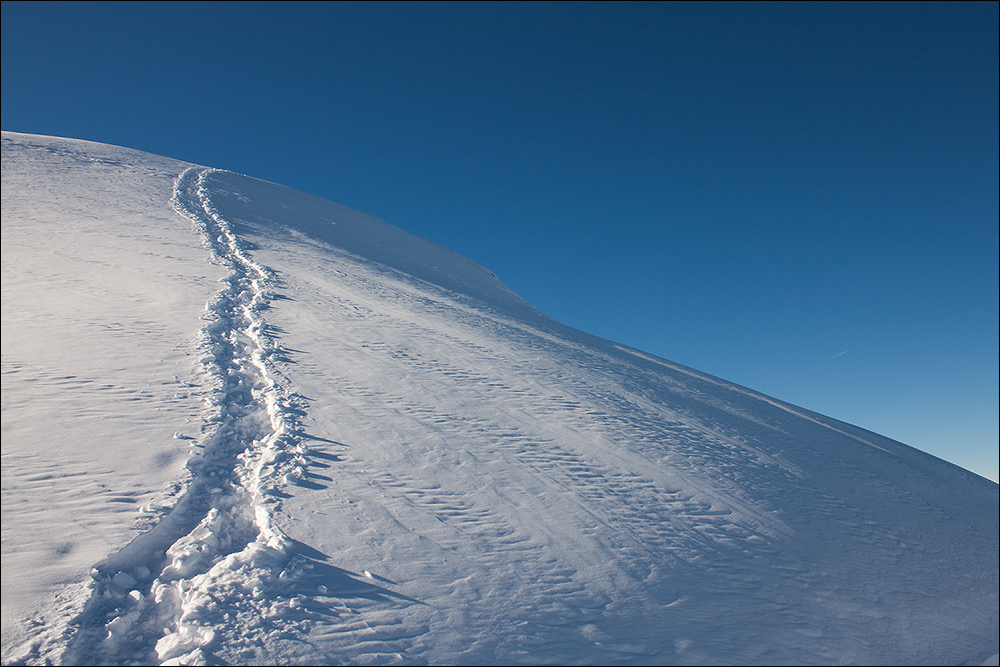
249	448
401	461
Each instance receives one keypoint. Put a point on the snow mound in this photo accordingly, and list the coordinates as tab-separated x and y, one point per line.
243	424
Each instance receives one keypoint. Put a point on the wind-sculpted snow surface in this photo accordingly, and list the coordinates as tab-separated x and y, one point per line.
400	461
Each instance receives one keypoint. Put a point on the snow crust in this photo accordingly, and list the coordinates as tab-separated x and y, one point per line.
242	424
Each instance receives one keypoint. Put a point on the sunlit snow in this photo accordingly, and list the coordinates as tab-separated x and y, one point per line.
244	424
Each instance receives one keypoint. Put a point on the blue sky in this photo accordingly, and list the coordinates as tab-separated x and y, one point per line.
801	198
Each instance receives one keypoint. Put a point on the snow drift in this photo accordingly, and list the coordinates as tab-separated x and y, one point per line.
244	424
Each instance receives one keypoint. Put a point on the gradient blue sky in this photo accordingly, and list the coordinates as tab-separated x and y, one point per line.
801	198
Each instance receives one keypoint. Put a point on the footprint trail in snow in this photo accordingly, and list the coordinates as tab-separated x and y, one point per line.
216	561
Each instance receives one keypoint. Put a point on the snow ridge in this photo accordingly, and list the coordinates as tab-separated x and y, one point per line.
541	496
219	540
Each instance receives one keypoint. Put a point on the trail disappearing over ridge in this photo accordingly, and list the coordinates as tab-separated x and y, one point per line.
155	599
514	491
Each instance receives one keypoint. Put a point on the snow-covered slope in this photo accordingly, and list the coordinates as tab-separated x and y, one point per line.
244	424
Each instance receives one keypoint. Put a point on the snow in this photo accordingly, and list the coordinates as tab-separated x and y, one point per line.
242	424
